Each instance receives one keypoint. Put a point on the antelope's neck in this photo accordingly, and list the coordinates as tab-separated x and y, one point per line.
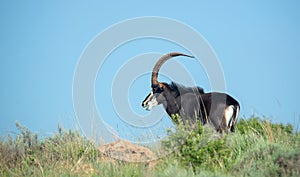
172	105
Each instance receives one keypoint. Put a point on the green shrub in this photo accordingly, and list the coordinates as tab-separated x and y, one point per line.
289	163
26	155
20	149
272	132
256	142
200	148
260	127
267	159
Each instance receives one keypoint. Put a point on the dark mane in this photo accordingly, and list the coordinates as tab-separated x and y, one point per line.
180	89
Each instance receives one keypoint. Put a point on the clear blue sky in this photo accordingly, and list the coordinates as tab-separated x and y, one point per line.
257	44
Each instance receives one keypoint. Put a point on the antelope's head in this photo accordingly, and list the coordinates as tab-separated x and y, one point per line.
156	96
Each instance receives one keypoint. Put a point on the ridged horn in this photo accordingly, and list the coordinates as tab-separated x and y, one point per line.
160	62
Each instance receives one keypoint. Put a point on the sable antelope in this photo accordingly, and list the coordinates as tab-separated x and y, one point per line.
191	103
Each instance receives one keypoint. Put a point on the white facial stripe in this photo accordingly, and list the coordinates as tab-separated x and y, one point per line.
151	103
149	97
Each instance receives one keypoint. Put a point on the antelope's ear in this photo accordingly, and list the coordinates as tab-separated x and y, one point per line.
158	88
161	86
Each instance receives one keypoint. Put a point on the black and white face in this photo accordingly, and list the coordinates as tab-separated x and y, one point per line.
153	99
150	101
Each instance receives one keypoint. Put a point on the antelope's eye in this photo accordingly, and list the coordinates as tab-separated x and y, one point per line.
158	89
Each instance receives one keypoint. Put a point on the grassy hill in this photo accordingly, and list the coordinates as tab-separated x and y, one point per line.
258	148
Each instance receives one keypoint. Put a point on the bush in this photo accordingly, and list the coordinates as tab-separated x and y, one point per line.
261	127
21	149
26	155
200	148
254	148
289	163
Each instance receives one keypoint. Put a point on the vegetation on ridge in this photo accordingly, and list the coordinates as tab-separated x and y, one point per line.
258	148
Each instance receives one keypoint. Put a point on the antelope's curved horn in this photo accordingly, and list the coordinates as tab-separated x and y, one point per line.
160	62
